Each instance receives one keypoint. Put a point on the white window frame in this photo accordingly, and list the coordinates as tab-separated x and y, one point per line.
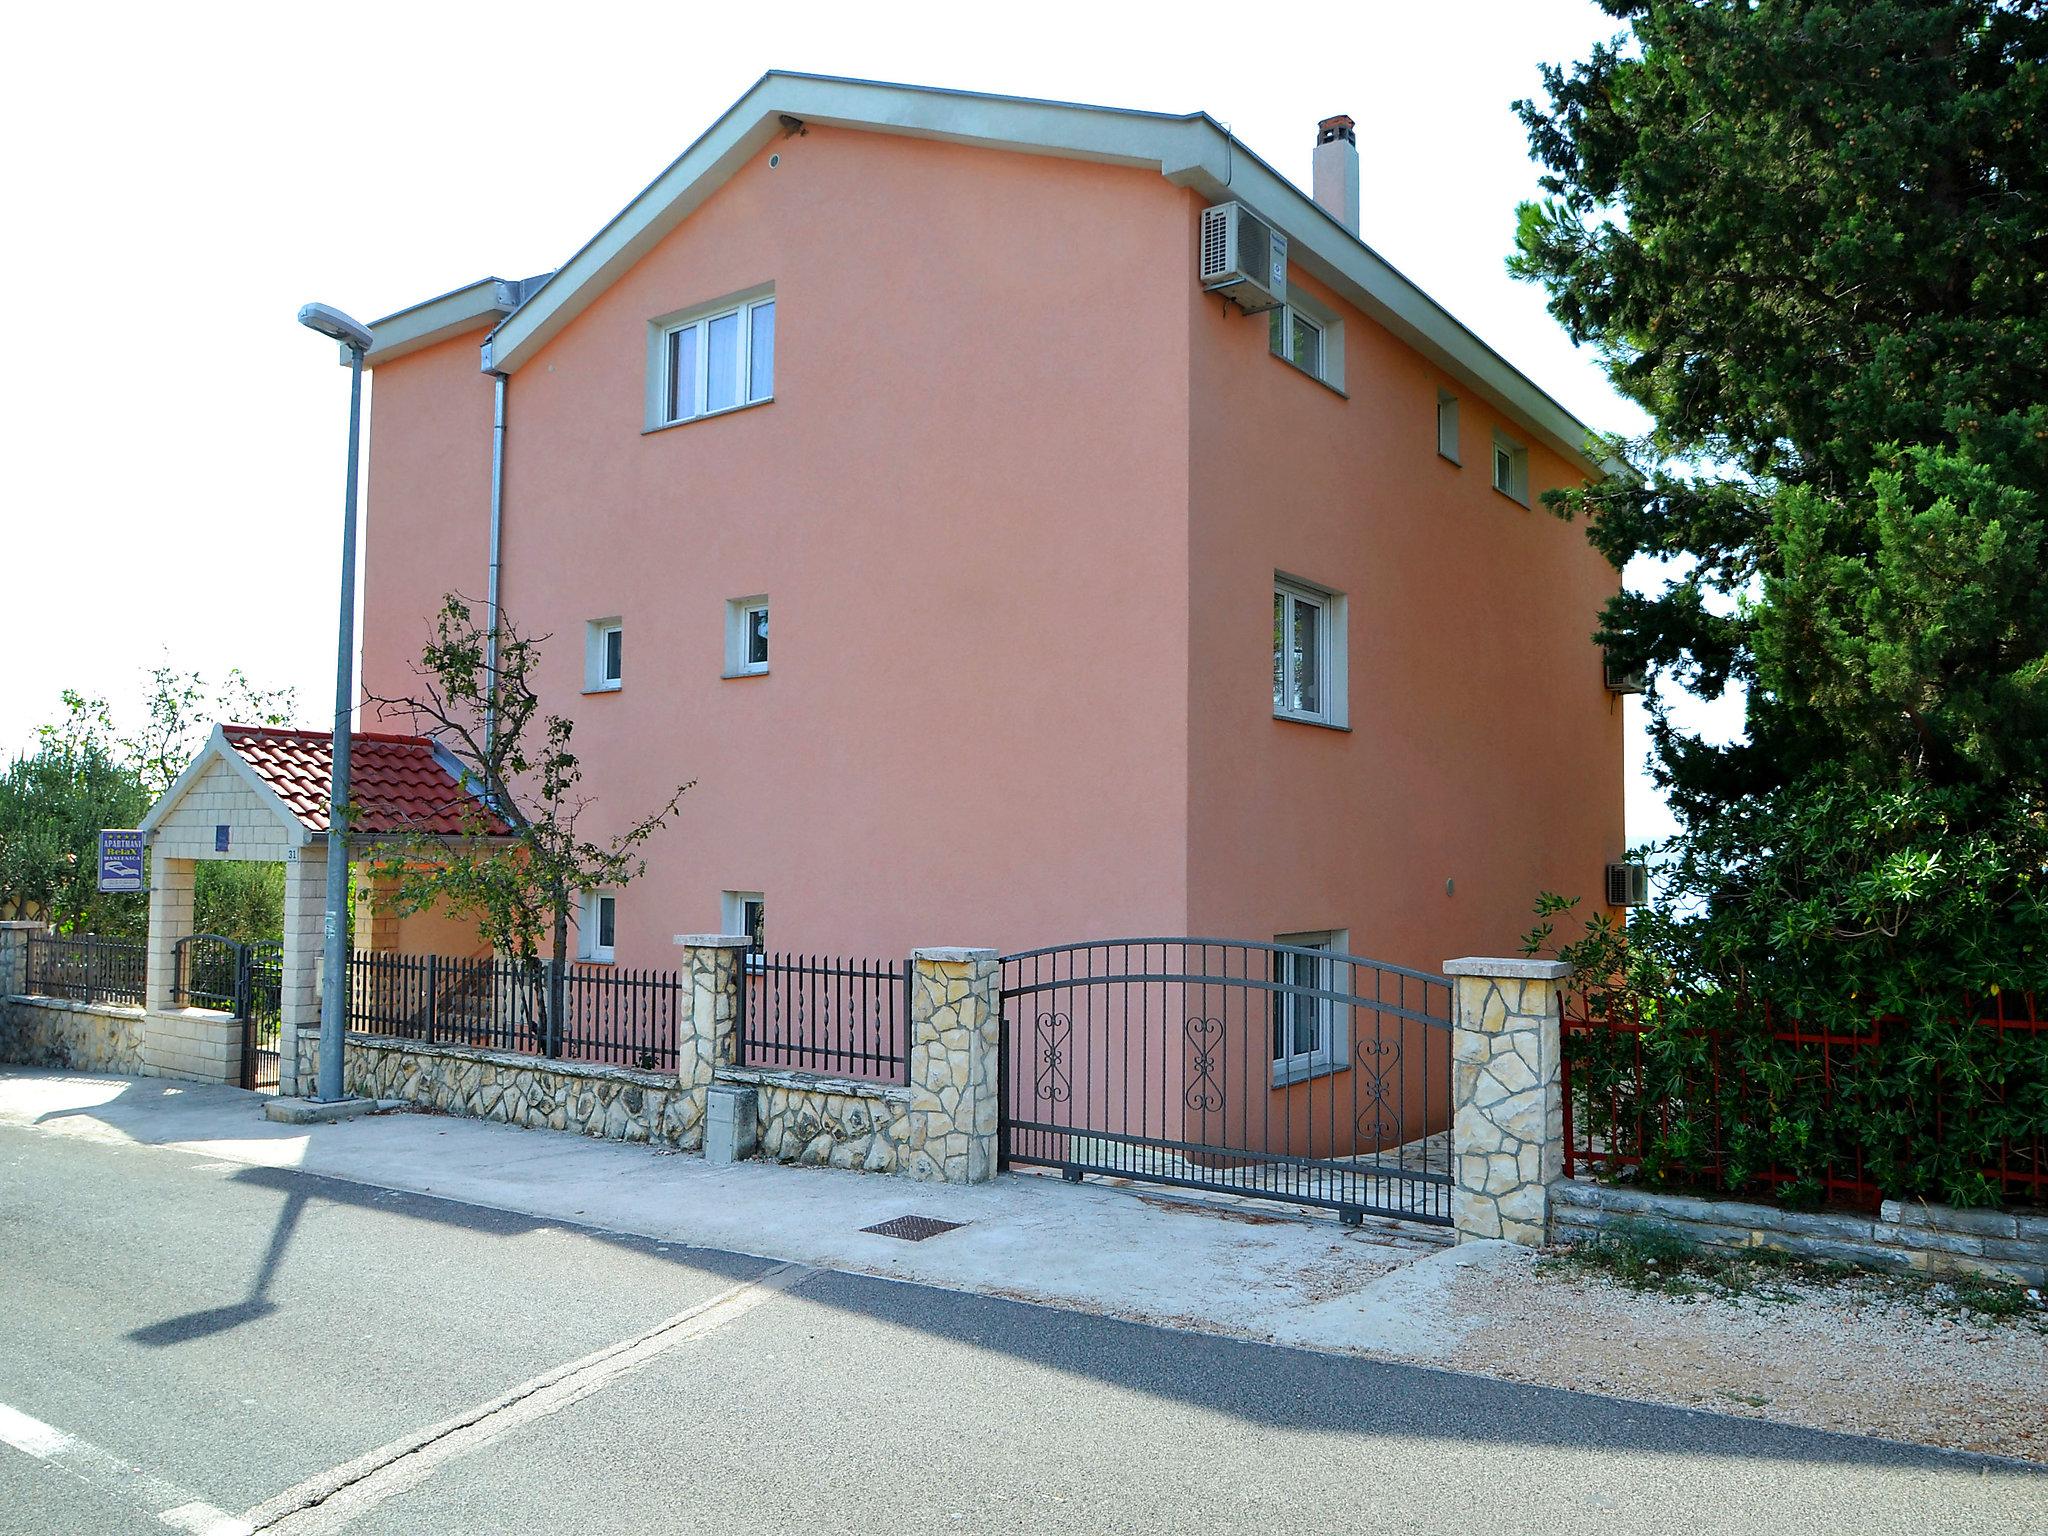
661	409
739	612
1329	366
596	634
1447	426
1330	1050
733	914
1332	643
1514	457
590	925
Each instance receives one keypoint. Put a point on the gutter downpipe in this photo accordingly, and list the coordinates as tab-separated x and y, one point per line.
491	596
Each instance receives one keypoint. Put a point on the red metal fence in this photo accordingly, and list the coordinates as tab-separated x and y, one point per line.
1695	1110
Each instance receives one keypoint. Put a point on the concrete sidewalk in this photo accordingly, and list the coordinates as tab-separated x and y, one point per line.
1148	1256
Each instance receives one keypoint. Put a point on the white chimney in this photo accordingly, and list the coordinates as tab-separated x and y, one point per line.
1335	181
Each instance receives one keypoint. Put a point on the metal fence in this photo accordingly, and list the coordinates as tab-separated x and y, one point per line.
86	969
1628	1103
811	1013
610	1014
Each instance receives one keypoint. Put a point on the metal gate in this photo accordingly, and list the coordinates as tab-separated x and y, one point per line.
1279	1071
246	980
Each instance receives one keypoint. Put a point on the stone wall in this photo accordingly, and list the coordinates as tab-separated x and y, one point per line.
616	1103
194	1045
956	1048
83	1037
1904	1235
828	1122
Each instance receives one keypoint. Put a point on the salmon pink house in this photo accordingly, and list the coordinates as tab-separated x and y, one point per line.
1024	522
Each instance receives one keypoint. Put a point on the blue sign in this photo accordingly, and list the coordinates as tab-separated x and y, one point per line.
120	861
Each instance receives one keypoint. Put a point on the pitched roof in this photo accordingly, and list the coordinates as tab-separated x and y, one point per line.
399	784
1191	150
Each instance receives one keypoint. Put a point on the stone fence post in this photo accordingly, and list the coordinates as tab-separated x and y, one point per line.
1507	1097
708	1038
956	1042
14	937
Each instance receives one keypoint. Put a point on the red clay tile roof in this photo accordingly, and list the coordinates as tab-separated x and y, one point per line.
398	783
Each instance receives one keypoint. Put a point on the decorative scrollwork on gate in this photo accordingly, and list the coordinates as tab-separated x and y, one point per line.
1379	1085
1054	1040
1204	1090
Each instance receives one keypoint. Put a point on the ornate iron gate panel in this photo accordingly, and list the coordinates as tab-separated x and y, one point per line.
1278	1071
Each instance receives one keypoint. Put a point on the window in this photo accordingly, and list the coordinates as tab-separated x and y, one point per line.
1308	653
746	912
1311	1028
717	361
1309	337
604	655
746	636
1447	426
1511	468
599	926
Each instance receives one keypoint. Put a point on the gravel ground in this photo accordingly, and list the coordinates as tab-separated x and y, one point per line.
1841	1355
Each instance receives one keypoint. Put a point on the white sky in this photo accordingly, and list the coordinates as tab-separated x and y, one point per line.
182	178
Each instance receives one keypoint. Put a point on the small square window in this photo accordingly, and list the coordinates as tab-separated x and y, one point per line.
1511	469
1301	339
604	655
1447	426
746	636
1308	653
747	912
598	929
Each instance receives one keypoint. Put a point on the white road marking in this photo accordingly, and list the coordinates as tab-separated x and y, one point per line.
103	1470
336	1498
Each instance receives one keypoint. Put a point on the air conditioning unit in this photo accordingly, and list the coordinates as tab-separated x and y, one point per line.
1628	885
1243	258
1622	679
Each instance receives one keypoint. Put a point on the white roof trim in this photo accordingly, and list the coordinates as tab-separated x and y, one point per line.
1193	151
218	747
455	313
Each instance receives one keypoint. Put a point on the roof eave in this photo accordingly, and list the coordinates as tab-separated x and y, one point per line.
1192	151
476	307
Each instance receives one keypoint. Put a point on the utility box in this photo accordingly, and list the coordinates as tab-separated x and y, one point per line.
731	1131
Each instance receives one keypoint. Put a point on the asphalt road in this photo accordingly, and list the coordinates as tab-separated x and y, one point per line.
196	1345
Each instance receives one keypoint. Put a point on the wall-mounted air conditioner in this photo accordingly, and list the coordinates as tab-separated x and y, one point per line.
1621	679
1628	885
1243	258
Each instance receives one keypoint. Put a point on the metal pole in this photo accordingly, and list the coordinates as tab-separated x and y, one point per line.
334	984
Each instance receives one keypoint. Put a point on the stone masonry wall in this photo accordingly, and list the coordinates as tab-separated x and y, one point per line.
83	1037
828	1122
1909	1235
616	1103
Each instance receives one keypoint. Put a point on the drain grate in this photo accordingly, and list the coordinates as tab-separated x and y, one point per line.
912	1229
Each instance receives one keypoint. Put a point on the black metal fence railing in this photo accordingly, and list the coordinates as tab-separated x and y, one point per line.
86	969
810	1013
609	1014
213	971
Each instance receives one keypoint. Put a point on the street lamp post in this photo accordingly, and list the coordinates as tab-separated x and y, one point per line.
334	984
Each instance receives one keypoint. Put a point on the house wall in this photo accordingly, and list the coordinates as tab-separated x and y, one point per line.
966	503
426	509
1484	748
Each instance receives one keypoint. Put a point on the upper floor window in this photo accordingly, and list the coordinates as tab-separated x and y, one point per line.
1305	334
746	636
1447	425
604	655
1511	468
1308	653
717	361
